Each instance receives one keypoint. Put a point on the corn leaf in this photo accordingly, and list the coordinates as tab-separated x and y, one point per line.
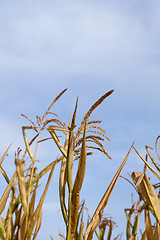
39	207
78	184
102	229
4	198
26	141
63	180
135	226
157	232
133	237
62	183
148	193
144	235
80	215
70	154
4	155
56	140
96	219
1	161
45	170
4	174
155	164
9	219
2	230
22	222
39	222
18	222
80	235
129	224
148	165
21	183
148	225
110	230
32	204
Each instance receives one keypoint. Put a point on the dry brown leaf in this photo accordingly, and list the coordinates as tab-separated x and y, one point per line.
8	220
21	183
110	230
56	140
148	225
80	235
4	155
144	235
62	184
26	141
45	170
151	157
133	237
157	232
62	181
32	204
96	219
39	207
4	198
78	185
148	192
70	152
70	155
156	146
148	165
39	222
18	223
2	230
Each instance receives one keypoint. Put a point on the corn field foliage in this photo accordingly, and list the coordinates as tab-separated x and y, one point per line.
23	217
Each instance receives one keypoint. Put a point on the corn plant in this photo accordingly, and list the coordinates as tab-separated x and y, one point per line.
23	218
149	198
76	148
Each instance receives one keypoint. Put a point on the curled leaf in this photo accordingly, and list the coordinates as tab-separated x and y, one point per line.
147	192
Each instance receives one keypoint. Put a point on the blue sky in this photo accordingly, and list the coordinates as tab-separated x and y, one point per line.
89	47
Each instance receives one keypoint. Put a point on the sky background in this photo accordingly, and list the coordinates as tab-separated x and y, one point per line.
89	47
